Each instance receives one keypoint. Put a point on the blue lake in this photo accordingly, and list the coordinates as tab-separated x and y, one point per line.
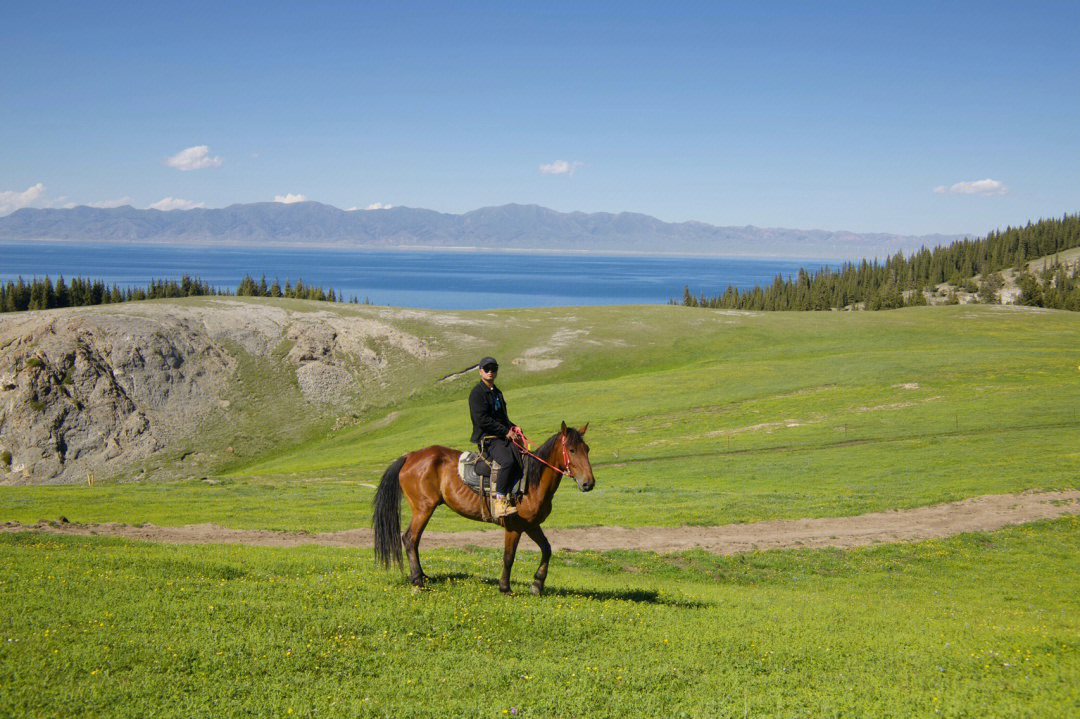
429	279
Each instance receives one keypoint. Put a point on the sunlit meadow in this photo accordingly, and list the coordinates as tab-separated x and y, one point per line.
696	417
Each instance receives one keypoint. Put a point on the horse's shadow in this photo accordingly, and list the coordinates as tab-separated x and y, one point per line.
448	577
641	596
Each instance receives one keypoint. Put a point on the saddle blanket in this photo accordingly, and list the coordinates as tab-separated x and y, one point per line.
476	474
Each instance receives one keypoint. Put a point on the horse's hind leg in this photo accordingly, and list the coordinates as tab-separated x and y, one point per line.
537	535
410	538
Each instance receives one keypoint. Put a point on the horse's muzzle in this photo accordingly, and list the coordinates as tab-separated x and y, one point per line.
585	485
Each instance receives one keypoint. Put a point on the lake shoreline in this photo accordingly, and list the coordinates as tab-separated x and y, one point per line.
459	279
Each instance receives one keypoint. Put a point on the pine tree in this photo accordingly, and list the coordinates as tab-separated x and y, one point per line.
989	287
246	288
37	295
63	297
1031	292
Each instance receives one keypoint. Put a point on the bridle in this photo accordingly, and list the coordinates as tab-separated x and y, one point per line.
523	445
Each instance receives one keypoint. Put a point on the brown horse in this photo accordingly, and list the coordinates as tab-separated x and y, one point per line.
429	477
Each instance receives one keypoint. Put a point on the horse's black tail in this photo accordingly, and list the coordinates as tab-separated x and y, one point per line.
386	517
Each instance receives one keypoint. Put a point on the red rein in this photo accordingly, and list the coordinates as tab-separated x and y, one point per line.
523	446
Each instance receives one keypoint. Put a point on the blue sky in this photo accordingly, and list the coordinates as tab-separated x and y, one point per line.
832	116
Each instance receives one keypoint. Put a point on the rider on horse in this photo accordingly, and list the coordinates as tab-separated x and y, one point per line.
492	430
430	477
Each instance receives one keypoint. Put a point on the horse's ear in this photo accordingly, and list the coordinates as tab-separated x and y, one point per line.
563	430
582	430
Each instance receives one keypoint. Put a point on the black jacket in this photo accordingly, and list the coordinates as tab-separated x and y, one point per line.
488	411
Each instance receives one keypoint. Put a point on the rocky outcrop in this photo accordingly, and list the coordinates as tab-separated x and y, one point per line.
332	353
85	392
90	390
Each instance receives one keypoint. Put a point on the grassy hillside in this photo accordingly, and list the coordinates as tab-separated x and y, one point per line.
696	417
1069	258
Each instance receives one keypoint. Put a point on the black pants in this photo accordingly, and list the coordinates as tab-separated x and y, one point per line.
501	451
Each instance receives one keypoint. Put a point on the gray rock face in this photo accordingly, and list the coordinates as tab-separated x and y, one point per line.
90	390
84	392
330	352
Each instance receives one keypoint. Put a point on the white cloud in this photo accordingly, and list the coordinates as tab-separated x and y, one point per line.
70	206
561	167
193	158
985	188
11	200
119	202
175	203
289	198
372	206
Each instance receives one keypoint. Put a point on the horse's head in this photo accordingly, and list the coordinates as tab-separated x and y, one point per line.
578	464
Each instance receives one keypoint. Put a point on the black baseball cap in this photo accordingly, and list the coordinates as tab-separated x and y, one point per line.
488	361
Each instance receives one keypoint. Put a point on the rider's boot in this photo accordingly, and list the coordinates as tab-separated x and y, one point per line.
500	505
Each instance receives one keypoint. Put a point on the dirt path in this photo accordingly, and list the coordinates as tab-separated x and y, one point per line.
985	513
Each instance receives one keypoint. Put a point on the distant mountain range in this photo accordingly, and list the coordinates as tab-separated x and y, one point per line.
508	227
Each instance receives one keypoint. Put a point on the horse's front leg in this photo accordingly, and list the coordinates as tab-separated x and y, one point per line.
537	535
410	538
509	551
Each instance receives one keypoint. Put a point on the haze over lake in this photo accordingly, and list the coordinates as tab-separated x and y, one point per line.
429	279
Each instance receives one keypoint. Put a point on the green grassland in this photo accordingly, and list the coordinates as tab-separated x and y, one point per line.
1065	257
984	625
696	417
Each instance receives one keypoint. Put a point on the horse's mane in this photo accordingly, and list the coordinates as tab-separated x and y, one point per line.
534	469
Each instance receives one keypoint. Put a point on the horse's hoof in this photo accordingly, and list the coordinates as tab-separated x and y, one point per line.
506	590
537	589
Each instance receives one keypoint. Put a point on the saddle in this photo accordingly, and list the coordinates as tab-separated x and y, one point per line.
475	472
